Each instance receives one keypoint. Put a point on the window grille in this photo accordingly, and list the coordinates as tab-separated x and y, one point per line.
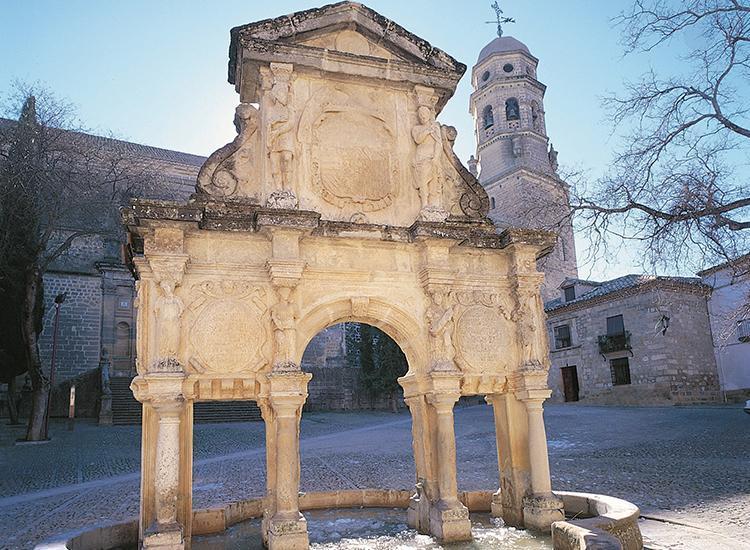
620	369
743	330
562	337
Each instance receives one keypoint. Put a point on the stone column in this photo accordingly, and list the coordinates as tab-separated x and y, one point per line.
511	433
166	533
542	507
164	524
449	519
287	528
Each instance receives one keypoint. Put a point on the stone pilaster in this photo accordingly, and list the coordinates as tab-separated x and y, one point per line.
511	432
287	528
163	392
426	492
449	518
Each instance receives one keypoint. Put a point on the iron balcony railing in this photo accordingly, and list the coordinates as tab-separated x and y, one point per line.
610	343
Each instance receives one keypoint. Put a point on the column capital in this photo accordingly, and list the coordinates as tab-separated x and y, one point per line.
445	381
159	389
443	402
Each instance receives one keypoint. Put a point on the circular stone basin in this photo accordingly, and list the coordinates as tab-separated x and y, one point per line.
375	529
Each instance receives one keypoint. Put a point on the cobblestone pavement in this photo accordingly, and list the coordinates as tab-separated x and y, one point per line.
687	468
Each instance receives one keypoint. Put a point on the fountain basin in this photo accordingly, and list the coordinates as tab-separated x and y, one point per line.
595	521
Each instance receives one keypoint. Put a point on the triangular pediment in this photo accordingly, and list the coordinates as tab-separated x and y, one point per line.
346	33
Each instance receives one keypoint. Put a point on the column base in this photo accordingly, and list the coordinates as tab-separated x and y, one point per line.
502	507
164	537
540	511
449	522
288	534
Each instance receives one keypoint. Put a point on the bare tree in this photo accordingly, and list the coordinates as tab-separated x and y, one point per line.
57	185
680	185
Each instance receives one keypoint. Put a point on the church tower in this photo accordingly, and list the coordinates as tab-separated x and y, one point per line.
517	165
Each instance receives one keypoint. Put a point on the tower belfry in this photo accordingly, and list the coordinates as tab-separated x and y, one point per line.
517	162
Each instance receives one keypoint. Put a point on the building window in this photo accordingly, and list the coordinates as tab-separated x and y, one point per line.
570	293
512	111
508	68
486	76
562	337
615	326
492	203
743	330
620	371
487	117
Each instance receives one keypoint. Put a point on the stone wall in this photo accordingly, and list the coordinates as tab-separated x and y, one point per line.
671	368
335	384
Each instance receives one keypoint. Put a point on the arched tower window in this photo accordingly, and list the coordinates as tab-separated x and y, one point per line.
487	118
492	203
512	111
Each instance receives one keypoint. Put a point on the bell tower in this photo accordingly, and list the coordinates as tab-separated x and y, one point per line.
517	164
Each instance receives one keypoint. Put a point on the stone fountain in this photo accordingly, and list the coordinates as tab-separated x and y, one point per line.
341	199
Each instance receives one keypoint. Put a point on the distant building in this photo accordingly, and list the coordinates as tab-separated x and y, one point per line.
636	339
98	311
729	308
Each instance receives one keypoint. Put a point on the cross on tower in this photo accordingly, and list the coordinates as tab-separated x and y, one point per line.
500	19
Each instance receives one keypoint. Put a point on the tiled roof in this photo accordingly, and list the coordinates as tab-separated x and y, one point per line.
136	149
618	284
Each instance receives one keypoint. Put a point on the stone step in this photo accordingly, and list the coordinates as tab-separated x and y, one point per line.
126	410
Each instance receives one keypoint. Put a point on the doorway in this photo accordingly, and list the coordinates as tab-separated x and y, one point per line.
570	383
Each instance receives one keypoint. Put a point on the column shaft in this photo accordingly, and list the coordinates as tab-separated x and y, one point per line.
167	467
540	476
287	466
446	439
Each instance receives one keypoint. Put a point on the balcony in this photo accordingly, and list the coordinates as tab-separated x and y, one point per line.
610	343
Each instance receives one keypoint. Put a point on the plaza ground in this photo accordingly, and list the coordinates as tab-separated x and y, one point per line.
687	468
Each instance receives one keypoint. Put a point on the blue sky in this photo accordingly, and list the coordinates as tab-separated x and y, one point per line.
154	72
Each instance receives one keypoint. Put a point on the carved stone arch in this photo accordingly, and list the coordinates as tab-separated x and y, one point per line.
402	327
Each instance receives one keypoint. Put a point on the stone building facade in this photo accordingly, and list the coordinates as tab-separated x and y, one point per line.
518	165
98	311
632	340
729	309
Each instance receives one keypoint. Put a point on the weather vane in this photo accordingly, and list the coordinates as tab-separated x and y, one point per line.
500	18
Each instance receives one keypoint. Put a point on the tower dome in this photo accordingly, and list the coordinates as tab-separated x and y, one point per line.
502	44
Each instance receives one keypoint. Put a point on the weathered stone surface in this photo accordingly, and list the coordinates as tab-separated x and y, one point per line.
355	209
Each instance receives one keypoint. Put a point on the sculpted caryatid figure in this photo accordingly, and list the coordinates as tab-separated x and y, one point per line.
283	315
280	118
169	309
427	160
528	322
440	325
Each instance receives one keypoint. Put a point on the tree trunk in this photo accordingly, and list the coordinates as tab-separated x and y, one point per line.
39	382
13	401
394	402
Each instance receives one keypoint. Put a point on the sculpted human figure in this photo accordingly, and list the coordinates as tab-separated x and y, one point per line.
280	136
283	316
427	161
528	319
440	325
169	309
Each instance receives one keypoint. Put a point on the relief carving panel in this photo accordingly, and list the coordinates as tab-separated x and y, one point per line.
229	333
351	150
484	339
